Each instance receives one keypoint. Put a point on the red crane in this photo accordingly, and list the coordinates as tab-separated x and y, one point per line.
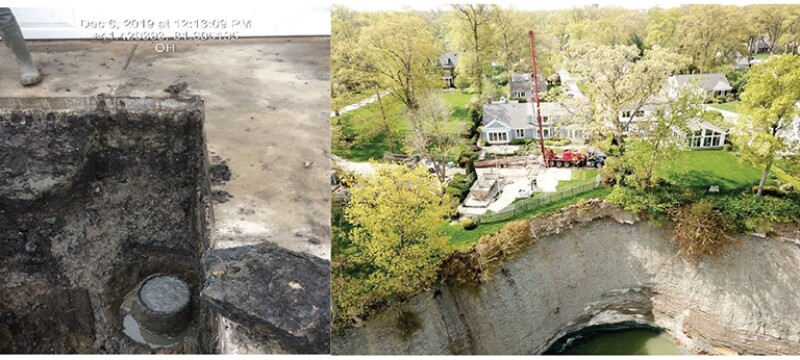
568	158
536	99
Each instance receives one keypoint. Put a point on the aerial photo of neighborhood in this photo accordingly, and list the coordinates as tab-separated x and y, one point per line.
589	180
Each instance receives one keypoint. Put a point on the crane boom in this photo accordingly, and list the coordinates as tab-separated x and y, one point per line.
536	98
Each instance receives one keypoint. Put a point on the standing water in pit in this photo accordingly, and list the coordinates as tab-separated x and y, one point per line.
156	311
629	341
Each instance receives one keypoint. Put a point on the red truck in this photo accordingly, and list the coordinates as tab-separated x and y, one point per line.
569	158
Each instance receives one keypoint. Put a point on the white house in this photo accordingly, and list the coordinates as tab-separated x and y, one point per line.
504	122
715	85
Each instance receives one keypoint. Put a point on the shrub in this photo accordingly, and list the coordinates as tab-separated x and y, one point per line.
494	249
749	212
461	268
468	224
458	188
656	203
462	83
521	141
699	230
557	142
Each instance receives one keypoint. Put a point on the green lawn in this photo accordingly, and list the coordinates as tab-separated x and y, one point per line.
704	168
582	87
762	56
696	169
358	122
374	148
728	106
464	239
578	176
459	103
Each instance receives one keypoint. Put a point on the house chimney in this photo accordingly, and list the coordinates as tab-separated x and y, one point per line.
489	100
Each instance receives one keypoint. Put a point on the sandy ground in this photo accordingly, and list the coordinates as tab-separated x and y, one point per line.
267	115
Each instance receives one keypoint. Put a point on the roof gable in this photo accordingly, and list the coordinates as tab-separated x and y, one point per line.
496	124
709	82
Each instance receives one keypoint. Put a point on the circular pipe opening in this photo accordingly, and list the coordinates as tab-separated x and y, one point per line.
162	304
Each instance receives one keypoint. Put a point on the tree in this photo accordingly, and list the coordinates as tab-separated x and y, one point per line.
616	79
775	20
711	33
511	29
345	74
655	144
475	40
400	47
434	135
397	217
662	26
768	106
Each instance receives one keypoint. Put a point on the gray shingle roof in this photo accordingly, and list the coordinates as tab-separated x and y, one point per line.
448	60
709	82
515	115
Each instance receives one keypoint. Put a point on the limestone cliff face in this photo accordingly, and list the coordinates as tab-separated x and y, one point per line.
604	272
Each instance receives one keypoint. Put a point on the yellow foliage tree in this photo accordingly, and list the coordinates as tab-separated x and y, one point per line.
398	216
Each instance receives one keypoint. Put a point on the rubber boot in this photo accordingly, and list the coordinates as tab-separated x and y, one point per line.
12	37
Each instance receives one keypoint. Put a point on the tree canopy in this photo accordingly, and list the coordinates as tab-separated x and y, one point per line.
768	105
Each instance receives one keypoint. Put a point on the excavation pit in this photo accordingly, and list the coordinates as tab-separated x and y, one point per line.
100	197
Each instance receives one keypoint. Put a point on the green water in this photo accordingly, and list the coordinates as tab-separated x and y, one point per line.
624	342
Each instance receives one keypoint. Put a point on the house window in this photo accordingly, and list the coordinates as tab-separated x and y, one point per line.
712	139
520	94
498	137
520	133
626	114
696	139
545	119
530	119
546	133
640	113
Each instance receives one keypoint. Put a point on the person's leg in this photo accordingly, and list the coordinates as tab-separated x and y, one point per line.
12	37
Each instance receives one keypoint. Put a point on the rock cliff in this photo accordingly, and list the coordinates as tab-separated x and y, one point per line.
601	266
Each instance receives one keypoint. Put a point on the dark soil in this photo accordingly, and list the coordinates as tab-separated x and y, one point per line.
95	195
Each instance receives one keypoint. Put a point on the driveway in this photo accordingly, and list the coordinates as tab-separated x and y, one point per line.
548	180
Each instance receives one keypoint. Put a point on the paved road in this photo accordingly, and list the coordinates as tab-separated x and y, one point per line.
570	85
728	115
359	104
361	168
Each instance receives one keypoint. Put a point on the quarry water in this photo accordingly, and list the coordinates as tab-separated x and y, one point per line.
634	341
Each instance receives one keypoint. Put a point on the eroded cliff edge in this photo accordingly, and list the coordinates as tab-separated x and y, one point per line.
607	270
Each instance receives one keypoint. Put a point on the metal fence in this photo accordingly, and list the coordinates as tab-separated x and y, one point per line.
540	199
